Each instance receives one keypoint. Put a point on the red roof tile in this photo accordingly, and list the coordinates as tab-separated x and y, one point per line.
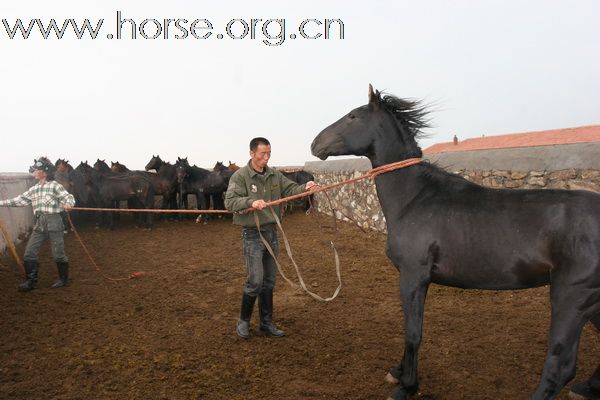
582	134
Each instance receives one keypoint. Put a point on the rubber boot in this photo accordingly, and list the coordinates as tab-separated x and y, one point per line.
265	305
63	275
31	276
588	390
243	324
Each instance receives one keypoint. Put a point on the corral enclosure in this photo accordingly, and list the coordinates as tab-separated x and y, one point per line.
170	334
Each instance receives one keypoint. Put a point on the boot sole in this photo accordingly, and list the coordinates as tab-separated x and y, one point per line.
242	336
576	396
269	334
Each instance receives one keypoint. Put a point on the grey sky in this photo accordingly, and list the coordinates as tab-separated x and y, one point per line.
488	67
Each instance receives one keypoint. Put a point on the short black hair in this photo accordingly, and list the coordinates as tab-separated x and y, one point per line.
258	140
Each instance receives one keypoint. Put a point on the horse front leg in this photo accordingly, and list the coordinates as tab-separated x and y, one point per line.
413	293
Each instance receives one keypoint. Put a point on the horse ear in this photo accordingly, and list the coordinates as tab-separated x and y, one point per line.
374	97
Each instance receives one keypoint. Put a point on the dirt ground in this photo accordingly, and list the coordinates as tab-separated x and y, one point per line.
170	334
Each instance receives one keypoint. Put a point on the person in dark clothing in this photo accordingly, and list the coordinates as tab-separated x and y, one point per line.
252	187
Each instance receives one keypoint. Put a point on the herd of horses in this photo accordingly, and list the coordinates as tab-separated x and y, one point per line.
103	186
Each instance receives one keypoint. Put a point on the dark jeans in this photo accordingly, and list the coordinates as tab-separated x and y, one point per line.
47	226
260	266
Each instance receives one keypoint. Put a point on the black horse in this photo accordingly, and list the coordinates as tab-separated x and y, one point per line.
300	177
191	180
165	181
217	183
447	230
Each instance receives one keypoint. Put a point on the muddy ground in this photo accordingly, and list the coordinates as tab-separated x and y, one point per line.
170	333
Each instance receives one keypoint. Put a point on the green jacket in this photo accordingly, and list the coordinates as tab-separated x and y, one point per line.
246	185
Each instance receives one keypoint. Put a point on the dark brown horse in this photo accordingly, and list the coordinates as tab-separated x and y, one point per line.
111	188
444	229
118	167
164	181
73	181
300	177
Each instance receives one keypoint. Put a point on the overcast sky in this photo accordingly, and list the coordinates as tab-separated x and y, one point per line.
488	67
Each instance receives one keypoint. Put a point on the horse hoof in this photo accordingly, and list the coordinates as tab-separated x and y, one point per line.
389	378
576	396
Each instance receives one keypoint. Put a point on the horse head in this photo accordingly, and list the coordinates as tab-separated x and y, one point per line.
101	166
63	165
182	168
384	130
155	163
219	166
182	161
118	167
233	166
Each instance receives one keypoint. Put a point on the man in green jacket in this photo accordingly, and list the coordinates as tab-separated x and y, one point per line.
252	187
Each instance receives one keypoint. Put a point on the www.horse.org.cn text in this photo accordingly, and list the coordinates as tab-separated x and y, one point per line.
270	31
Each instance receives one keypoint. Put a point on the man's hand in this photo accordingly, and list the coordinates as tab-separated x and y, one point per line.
259	204
67	207
310	185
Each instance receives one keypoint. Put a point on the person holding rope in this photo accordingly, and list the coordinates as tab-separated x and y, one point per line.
48	198
252	186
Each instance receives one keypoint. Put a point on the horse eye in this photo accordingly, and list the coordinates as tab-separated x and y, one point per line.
351	116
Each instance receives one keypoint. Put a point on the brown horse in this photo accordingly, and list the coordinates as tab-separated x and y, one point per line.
61	175
118	167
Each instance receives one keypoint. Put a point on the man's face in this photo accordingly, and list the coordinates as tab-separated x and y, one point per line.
260	156
39	174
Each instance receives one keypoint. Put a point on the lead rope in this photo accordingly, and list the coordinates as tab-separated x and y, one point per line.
371	175
11	246
133	275
289	252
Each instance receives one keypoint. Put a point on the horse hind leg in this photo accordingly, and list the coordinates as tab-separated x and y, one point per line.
591	387
572	307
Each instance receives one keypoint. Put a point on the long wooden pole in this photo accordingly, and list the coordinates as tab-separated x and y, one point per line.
11	246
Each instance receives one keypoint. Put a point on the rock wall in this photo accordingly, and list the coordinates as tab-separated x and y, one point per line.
17	220
358	201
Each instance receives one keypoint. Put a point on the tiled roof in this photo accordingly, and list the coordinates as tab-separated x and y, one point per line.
582	134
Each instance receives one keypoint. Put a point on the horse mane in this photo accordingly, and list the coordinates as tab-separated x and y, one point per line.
411	114
441	178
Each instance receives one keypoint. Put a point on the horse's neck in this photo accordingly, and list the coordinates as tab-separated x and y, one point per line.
393	145
397	189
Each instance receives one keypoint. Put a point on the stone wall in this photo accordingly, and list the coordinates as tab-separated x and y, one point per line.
358	201
17	220
573	179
